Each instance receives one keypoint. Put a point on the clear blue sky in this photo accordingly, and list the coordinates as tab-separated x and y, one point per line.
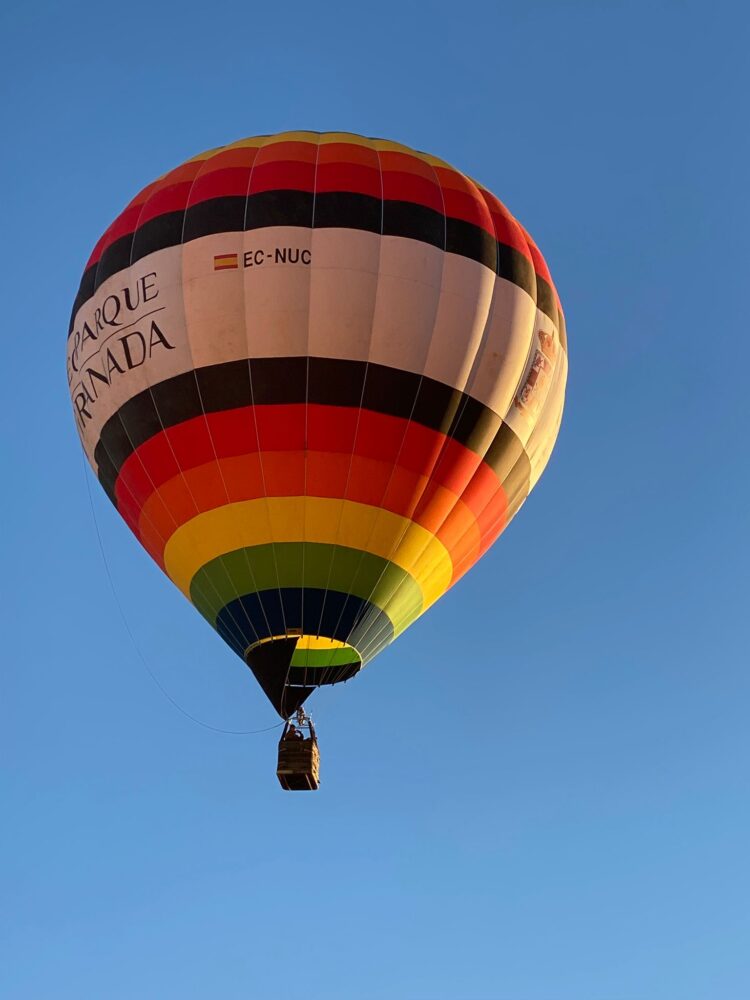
572	821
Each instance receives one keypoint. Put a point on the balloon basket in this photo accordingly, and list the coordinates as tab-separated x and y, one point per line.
298	768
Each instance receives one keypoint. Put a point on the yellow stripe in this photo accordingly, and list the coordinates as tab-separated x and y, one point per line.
348	137
382	145
264	140
251	142
206	154
312	137
307	641
312	519
321	642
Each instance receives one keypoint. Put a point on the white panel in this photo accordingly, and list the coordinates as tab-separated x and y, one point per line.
215	299
423	312
276	266
461	321
505	350
406	305
343	288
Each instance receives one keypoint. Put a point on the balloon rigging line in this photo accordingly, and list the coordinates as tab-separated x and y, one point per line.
368	624
365	620
266	504
307	417
201	592
230	578
338	674
136	647
184	479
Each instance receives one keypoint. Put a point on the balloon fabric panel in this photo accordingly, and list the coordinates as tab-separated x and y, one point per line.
317	374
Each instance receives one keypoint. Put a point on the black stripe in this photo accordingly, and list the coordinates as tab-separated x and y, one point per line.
505	452
85	291
346	210
277	208
516	485
517	269
338	209
217	215
468	240
115	258
163	231
415	222
270	662
331	382
545	298
262	614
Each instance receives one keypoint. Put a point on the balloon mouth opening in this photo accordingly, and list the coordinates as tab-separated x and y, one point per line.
313	652
290	667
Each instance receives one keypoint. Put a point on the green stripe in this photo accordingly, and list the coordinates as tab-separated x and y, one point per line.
307	564
324	657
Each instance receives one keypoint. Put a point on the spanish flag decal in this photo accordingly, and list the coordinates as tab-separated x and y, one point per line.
225	261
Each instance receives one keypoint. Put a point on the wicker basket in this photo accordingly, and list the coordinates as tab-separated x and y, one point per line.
299	765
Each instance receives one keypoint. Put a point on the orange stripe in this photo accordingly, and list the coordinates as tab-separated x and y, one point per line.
286	474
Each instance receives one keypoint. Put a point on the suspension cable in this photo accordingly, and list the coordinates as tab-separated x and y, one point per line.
136	647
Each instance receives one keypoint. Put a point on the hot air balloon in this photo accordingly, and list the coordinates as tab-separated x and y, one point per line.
317	374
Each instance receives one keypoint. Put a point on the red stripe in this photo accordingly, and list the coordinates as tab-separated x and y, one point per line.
126	222
124	225
463	200
282	175
347	153
342	167
404	162
238	156
230	182
167	199
290	150
378	442
507	229
540	265
401	186
352	177
297	473
281	427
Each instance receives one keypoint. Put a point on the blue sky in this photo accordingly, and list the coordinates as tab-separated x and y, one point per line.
602	854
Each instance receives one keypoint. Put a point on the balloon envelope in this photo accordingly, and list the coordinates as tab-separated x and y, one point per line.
317	374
